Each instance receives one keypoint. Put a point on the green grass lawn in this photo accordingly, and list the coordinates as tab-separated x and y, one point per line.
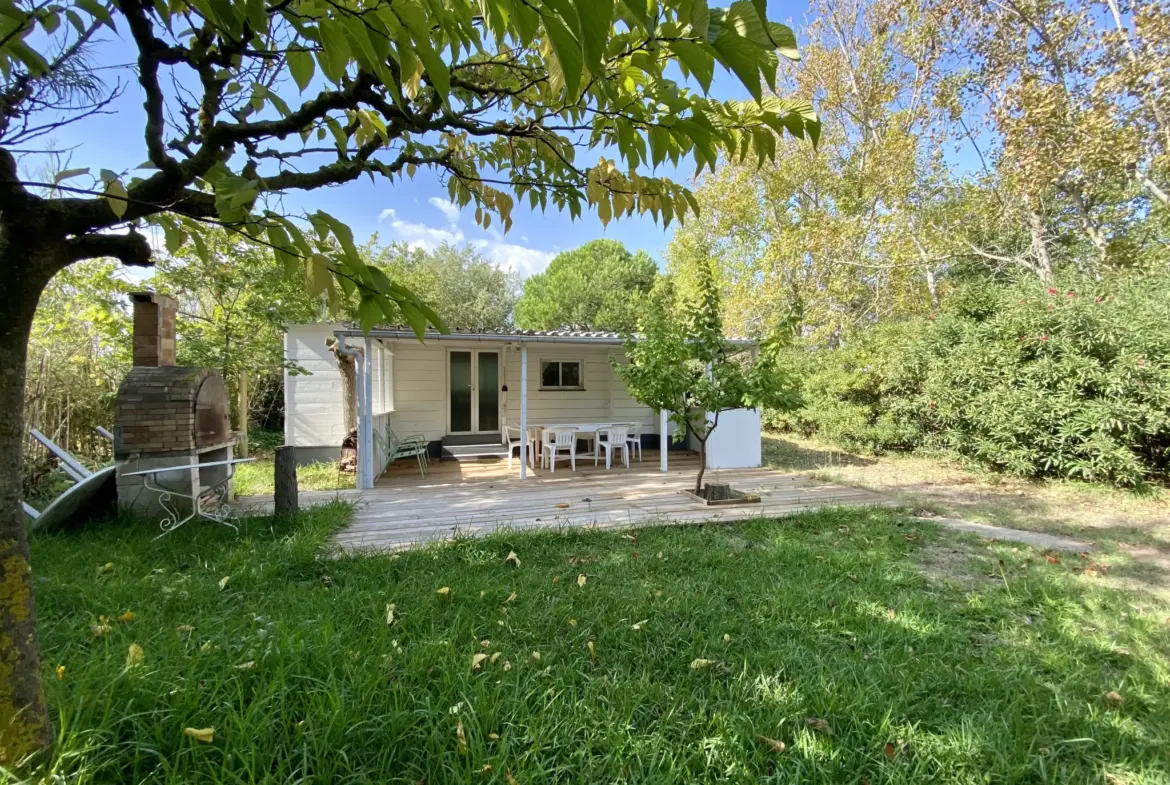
256	478
678	649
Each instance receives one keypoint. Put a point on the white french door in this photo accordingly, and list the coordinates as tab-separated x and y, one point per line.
473	391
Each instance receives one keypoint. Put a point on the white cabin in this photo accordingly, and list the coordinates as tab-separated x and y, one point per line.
463	390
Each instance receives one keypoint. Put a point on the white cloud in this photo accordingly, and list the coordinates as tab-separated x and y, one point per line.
524	260
449	209
418	235
509	256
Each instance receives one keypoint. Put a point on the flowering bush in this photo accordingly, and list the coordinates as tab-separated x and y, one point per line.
1071	380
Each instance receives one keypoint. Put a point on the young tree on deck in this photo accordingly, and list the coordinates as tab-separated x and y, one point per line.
682	363
245	102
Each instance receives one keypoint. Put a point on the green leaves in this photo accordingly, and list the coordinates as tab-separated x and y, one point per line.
300	65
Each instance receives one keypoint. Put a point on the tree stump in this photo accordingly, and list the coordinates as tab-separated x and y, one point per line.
718	491
285	485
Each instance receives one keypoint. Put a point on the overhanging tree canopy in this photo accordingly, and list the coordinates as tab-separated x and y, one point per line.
247	101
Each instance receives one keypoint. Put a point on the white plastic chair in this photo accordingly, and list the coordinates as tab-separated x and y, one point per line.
514	442
616	438
558	442
635	438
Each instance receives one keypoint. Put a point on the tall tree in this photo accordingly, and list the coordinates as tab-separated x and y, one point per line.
244	102
1070	97
466	289
843	228
598	286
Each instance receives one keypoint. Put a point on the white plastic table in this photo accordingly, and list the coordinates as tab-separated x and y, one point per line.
172	520
587	430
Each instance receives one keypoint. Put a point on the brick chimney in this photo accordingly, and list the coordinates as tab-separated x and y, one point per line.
154	329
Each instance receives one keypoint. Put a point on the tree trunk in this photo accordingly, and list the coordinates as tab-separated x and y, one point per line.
348	367
1043	267
285	481
24	718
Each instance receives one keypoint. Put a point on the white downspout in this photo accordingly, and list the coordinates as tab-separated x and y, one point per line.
523	411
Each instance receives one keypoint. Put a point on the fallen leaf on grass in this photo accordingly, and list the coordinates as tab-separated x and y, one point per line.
486	770
910	537
184	628
630	537
206	647
820	725
852	577
246	666
701	663
494	657
508	778
535	656
99	630
638	625
1051	558
205	735
390	613
134	655
477	660
660	554
60	671
512	559
507	665
726	638
891	613
581	580
107	567
493	737
1112	699
223	582
512	597
128	616
773	744
460	739
592	650
892	749
575	561
487	644
445	591
1121	651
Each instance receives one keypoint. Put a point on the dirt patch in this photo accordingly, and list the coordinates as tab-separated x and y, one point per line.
949	560
944	488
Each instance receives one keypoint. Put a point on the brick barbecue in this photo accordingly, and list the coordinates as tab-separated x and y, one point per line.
167	415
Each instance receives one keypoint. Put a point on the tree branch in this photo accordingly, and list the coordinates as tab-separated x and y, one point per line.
130	249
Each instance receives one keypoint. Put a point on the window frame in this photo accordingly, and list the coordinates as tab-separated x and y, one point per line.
543	363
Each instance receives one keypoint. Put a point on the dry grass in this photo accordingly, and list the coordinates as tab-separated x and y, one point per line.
1131	529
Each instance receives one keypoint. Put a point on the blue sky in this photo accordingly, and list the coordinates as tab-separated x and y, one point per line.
412	211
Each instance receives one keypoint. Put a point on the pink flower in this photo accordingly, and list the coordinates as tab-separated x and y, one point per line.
930	315
1141	361
1051	290
1043	337
1070	294
1023	301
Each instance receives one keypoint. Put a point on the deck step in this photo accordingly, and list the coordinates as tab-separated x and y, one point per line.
475	452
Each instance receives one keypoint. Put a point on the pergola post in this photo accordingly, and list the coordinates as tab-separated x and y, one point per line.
367	435
523	411
663	440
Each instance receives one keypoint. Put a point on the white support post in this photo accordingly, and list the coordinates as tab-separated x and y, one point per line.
523	411
368	411
359	472
663	440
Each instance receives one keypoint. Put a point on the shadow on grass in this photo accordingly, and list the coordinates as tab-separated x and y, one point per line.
786	455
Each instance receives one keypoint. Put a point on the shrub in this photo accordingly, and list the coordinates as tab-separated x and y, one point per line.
1071	380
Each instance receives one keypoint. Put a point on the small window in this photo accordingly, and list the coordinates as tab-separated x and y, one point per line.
561	375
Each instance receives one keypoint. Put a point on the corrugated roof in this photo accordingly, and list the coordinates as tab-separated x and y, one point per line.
565	333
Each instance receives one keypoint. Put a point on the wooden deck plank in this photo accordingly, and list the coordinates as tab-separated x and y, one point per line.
473	499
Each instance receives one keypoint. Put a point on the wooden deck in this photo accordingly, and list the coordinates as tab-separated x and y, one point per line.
475	498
